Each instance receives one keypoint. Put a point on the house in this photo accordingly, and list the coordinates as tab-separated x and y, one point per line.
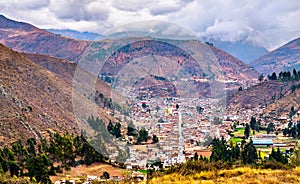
204	153
267	136
262	142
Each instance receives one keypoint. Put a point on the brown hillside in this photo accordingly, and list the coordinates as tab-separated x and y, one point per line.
286	57
25	37
260	95
274	97
33	99
234	68
282	107
66	70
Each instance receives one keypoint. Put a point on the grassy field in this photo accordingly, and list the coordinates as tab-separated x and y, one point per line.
238	132
236	140
243	175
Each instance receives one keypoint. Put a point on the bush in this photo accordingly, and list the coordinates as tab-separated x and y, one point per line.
273	165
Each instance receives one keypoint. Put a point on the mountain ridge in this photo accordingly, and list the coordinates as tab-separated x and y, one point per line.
25	37
284	58
36	100
244	51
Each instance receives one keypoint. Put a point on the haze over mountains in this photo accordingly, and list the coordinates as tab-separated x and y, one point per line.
139	91
58	73
244	51
27	38
76	34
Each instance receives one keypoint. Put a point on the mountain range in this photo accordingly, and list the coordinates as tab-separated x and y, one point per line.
76	34
25	37
37	79
284	58
244	51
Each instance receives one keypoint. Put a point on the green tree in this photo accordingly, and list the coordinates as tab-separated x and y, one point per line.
68	149
295	74
285	131
237	152
261	78
117	130
110	127
295	158
131	131
199	109
249	154
253	123
31	143
38	168
3	162
105	175
278	156
14	168
273	76
21	154
270	127
143	136
247	131
298	128
292	111
154	139
196	157
220	151
294	131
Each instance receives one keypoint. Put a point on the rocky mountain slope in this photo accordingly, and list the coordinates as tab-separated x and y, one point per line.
230	71
25	37
260	95
197	59
284	58
35	100
274	99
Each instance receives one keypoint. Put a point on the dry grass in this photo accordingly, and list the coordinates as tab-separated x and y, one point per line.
244	175
36	99
82	171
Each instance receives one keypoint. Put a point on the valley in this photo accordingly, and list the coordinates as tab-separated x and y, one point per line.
144	109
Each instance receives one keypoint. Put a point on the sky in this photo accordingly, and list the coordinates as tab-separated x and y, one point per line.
268	23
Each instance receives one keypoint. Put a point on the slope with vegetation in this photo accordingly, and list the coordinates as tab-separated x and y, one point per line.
231	163
27	38
284	58
276	94
35	100
38	160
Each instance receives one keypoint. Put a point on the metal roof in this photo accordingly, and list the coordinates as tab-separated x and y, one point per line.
262	142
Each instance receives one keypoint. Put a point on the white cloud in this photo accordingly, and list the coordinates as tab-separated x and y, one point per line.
131	5
166	7
266	23
25	4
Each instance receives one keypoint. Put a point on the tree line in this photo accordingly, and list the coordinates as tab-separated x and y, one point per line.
35	159
285	75
226	155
